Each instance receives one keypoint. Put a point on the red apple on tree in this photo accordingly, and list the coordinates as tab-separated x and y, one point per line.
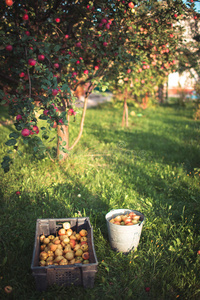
9	2
56	65
25	132
9	48
41	57
131	5
31	62
25	17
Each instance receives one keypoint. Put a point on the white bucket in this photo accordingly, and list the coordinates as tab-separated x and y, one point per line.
124	238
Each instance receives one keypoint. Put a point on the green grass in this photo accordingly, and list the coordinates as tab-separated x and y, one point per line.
153	166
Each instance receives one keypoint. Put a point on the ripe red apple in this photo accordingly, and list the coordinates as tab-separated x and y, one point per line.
129	71
56	65
104	21
36	129
86	72
22	74
78	44
62	231
25	132
31	62
131	5
83	242
127	220
45	112
117	223
27	33
83	232
96	68
41	57
85	255
18	117
54	92
54	124
105	44
72	243
25	17
57	20
9	2
131	214
9	48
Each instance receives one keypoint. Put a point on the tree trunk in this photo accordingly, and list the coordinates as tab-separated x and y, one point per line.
126	114
63	142
63	147
125	111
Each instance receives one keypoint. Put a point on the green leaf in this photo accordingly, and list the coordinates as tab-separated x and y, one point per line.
25	141
64	150
57	48
14	135
6	163
45	136
11	142
19	152
64	143
65	87
43	117
60	157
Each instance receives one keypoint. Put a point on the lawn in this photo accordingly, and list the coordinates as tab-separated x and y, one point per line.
153	166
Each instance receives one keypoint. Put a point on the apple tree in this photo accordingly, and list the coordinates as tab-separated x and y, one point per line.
154	37
52	49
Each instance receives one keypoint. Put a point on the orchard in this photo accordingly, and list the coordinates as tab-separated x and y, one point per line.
53	49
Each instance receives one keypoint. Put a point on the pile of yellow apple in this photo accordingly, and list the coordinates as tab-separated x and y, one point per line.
127	219
68	247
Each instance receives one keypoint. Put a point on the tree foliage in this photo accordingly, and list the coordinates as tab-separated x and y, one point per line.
51	48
